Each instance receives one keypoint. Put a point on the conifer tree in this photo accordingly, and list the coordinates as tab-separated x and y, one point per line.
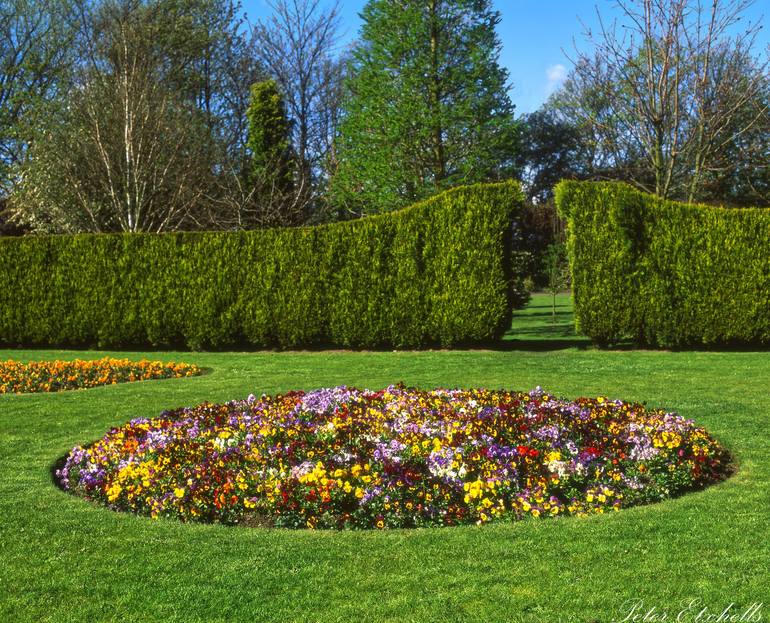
426	106
277	191
269	141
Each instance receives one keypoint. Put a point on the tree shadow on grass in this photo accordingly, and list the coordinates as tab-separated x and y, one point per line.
543	326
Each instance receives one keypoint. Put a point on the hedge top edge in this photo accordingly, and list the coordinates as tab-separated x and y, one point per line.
563	189
507	185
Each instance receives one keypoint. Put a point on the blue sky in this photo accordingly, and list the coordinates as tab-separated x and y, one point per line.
535	35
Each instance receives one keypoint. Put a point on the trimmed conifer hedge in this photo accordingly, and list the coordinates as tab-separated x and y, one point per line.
664	273
444	271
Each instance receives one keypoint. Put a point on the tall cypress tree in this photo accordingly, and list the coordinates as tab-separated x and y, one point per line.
427	104
269	141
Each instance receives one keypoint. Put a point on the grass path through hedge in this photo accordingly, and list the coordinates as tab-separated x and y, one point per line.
66	560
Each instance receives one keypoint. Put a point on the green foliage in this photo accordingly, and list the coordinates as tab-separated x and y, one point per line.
552	147
444	271
269	140
664	273
542	227
427	105
124	115
36	44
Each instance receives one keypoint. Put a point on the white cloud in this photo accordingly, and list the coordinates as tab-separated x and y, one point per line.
556	75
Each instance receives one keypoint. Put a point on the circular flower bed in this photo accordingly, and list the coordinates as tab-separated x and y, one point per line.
349	458
55	376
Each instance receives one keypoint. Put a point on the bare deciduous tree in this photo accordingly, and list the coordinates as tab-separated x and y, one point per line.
675	79
238	203
122	153
35	38
296	44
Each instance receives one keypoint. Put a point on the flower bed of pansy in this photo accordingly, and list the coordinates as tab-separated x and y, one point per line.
54	376
399	457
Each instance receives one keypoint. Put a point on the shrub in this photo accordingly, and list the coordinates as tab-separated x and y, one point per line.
443	271
665	273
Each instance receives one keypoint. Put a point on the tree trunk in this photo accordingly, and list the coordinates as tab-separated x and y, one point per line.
439	162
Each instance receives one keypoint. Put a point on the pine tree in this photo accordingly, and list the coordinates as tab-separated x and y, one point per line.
426	106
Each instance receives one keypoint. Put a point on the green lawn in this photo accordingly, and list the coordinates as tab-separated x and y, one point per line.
64	559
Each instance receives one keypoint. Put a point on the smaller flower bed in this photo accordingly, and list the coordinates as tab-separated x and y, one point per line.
399	457
55	376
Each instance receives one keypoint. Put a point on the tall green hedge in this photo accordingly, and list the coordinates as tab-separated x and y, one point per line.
444	271
664	273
